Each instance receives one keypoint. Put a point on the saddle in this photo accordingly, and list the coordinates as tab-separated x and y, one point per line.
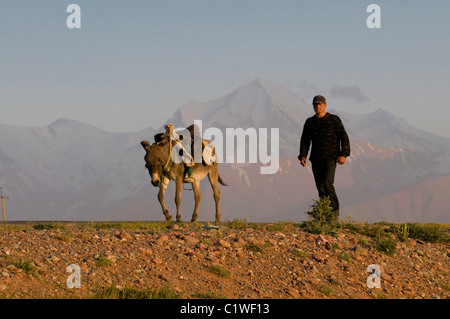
187	150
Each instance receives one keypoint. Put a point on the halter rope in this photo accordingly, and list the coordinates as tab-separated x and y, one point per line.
166	168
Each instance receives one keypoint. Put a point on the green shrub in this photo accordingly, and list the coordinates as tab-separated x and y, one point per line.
401	231
428	233
327	291
220	271
131	293
344	256
207	295
386	245
253	247
101	261
240	224
42	226
26	265
323	219
445	286
300	253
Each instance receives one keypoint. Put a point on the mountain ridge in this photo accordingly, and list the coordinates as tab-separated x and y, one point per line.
73	170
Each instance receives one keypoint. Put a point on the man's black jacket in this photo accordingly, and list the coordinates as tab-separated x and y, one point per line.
328	137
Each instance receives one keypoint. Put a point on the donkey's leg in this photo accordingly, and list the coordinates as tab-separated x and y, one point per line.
198	199
162	190
213	177
179	184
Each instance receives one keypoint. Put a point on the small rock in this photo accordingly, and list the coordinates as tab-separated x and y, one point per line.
320	240
348	268
224	243
360	295
409	292
314	281
84	267
170	279
239	242
157	260
335	281
212	259
293	292
146	251
37	262
173	227
319	257
360	250
332	261
162	239
385	276
412	242
54	259
124	235
191	240
111	258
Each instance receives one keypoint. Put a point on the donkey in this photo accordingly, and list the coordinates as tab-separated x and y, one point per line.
162	168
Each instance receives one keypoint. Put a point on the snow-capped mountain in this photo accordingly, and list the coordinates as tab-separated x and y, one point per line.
263	104
385	129
55	171
73	171
259	104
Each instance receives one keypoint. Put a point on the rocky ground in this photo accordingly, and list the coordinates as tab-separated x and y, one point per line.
240	260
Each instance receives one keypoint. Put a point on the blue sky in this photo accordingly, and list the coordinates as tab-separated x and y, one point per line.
133	63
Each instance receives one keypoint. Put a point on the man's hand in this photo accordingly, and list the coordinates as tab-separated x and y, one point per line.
303	161
341	160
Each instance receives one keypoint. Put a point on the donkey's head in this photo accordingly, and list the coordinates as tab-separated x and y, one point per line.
155	158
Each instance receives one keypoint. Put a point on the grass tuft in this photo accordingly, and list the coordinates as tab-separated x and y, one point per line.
102	261
220	271
132	293
386	245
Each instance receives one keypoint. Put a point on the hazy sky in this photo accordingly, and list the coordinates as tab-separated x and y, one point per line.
133	63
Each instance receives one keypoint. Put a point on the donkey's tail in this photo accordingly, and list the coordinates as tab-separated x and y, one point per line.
222	182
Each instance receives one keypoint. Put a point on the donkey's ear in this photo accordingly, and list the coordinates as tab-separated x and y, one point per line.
145	144
158	137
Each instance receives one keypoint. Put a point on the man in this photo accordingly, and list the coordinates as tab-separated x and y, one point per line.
330	145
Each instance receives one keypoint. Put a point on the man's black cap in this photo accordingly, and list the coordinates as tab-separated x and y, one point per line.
319	99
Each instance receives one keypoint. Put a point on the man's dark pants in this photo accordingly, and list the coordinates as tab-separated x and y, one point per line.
324	172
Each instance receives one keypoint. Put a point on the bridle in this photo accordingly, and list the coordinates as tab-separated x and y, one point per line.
165	169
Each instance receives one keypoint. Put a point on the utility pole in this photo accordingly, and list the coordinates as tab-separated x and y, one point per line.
3	203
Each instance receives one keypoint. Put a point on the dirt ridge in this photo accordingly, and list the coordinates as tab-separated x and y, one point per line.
239	260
